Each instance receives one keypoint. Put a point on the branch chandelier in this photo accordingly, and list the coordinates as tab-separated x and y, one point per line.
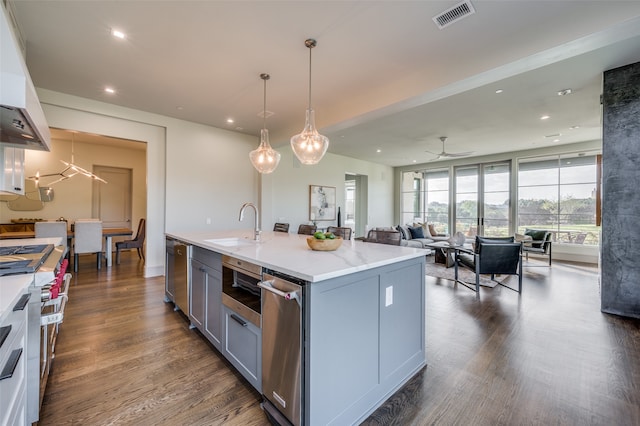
69	171
265	159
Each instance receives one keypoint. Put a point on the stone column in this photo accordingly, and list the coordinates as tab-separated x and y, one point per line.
620	244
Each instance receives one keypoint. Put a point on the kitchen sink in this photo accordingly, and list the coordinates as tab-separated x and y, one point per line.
231	242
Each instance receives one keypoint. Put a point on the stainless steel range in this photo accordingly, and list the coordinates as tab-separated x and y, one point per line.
22	259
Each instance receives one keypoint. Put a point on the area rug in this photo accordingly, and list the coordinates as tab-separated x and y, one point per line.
438	270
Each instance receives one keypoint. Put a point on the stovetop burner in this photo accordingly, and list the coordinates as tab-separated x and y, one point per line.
23	259
13	250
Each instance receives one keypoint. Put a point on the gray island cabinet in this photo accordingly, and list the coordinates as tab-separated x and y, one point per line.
362	328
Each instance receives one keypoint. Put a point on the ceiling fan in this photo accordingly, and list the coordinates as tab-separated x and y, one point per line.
445	154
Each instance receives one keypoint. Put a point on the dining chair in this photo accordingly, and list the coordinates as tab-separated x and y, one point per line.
392	238
281	227
46	229
87	239
136	243
307	229
340	231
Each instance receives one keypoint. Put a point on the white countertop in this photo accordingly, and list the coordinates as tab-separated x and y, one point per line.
289	253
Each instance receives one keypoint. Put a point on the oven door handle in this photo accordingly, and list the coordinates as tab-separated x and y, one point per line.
288	295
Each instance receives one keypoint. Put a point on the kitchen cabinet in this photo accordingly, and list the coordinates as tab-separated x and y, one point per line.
243	346
13	355
12	176
206	294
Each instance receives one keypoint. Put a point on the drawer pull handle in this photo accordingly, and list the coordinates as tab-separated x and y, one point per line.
239	320
22	302
4	333
12	363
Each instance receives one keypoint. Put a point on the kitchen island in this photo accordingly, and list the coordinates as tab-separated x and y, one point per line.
362	328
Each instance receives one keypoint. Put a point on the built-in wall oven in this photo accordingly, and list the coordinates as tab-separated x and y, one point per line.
240	291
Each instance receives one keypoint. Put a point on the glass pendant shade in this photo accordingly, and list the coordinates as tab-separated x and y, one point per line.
265	159
309	146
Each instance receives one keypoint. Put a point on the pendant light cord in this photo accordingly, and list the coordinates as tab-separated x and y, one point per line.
264	107
310	48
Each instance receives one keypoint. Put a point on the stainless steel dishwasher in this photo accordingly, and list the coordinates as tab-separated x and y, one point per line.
181	256
282	328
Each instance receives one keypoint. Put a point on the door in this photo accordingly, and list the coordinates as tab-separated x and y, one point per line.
112	201
356	203
482	199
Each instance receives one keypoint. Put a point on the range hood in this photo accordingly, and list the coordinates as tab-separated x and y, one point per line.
22	121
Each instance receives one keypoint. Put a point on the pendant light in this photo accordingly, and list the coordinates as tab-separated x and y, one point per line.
69	171
309	146
265	159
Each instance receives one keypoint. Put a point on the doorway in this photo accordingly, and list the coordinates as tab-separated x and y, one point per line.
112	202
356	202
482	199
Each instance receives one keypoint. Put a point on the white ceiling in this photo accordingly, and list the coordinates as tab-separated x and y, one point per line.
384	76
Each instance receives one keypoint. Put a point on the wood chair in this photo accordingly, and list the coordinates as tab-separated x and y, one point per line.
87	239
136	243
494	256
307	229
281	227
393	238
340	231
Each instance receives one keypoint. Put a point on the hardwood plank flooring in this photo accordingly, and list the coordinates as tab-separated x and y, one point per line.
548	356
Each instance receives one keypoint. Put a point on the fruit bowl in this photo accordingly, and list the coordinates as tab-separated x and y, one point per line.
324	245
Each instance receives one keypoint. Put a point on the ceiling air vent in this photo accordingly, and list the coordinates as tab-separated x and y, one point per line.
454	14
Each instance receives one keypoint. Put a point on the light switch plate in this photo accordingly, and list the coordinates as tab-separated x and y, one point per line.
388	300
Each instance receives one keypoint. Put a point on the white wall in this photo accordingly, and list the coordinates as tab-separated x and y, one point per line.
183	172
285	192
72	197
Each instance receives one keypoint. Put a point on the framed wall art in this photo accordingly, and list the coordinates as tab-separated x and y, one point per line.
322	203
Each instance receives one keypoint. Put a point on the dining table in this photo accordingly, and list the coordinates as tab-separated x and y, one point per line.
107	233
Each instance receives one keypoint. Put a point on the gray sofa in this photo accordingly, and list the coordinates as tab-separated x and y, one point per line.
418	236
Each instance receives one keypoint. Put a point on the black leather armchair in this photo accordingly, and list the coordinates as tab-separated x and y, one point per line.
540	243
494	256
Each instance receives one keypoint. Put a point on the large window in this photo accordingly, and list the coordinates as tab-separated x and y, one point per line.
560	194
425	198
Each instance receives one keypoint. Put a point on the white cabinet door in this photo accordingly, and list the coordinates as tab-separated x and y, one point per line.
12	177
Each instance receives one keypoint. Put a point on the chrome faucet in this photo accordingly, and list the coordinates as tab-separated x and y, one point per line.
256	234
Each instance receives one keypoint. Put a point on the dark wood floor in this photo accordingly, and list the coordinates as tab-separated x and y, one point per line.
549	356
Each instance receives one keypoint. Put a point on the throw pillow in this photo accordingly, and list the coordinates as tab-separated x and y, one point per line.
404	232
432	230
416	232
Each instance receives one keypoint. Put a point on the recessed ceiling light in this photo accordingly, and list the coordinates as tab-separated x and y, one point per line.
574	127
230	120
499	91
556	140
415	161
545	117
378	150
118	34
110	90
179	108
564	92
